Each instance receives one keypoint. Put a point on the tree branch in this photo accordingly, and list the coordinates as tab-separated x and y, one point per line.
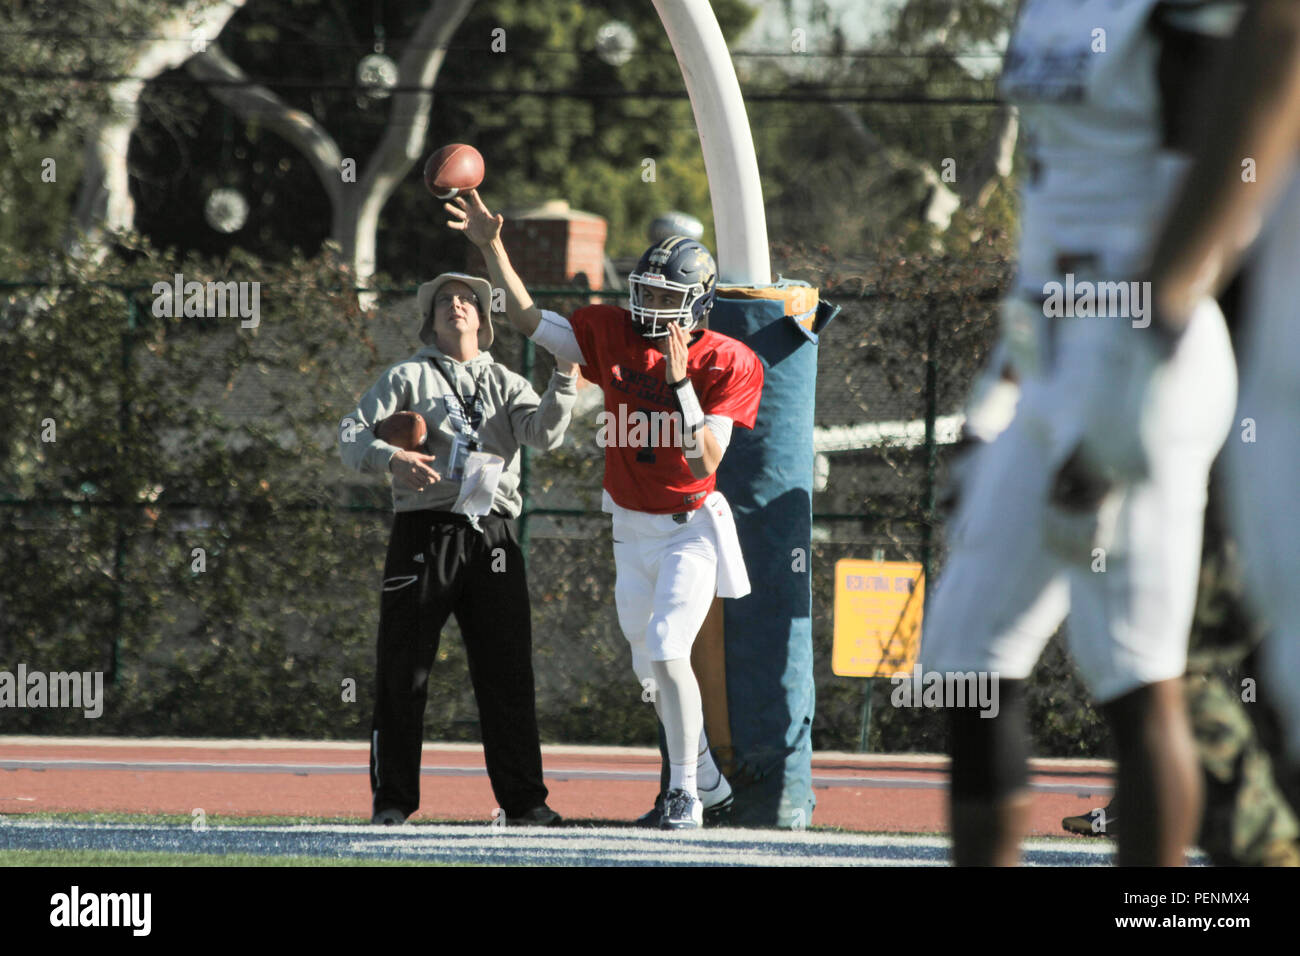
300	129
104	201
408	123
995	165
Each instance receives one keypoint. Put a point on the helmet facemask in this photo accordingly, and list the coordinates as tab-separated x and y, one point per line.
654	323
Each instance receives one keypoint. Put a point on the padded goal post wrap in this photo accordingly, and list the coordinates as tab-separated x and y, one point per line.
767	477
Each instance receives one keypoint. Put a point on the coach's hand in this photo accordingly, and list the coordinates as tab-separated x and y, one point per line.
565	368
471	217
411	469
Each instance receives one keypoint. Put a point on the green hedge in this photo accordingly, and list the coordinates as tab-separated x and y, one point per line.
178	434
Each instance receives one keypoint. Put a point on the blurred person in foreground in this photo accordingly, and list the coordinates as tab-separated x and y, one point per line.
1243	192
1110	95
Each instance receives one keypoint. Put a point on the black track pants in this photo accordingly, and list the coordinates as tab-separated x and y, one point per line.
439	565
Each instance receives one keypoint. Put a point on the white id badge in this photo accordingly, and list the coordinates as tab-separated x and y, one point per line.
462	446
478	483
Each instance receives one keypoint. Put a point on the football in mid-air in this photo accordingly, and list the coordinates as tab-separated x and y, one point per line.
452	170
406	430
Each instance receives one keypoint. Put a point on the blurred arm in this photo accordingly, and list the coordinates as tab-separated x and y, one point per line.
1257	116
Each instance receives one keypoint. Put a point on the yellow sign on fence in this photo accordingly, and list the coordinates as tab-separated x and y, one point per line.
878	607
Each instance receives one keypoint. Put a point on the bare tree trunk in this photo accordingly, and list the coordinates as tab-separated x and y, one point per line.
104	203
299	128
355	206
941	201
408	126
995	165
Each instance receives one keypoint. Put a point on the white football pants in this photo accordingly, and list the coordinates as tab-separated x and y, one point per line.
1004	593
667	575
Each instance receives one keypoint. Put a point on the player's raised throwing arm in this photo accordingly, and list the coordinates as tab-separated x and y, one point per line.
481	227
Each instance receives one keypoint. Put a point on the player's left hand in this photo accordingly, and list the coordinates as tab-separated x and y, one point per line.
1082	511
1077	487
1118	413
678	342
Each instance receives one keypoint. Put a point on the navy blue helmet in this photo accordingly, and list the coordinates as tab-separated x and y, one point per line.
678	264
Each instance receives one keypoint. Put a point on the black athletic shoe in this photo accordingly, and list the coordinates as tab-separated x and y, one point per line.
655	817
718	801
1099	822
542	816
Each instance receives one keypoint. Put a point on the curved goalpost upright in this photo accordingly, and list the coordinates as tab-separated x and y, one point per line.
738	217
754	656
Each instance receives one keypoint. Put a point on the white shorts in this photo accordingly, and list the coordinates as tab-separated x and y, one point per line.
667	575
1003	593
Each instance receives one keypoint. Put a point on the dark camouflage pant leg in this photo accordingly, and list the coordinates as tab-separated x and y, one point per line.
1247	820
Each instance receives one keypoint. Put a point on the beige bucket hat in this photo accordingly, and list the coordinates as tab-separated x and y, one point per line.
482	290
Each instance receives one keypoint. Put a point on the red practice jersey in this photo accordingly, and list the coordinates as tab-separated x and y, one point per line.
644	471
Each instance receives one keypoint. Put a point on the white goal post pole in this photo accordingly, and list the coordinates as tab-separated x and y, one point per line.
738	218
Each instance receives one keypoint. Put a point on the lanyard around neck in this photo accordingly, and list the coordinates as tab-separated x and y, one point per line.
466	409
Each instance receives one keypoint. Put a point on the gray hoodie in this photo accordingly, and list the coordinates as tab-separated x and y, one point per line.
512	415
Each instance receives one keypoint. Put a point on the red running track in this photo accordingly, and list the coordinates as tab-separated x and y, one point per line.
869	792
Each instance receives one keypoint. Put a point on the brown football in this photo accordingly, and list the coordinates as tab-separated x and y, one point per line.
453	169
406	430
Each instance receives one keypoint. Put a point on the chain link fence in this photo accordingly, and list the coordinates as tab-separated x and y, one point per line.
173	511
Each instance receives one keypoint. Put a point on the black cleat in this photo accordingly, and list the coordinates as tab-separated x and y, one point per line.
655	816
1098	822
542	816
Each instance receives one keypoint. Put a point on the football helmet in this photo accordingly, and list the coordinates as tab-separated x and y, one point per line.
679	264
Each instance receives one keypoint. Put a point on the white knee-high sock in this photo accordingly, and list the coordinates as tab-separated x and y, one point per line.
682	714
706	771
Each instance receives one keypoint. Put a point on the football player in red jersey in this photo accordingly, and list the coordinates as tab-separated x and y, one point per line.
673	390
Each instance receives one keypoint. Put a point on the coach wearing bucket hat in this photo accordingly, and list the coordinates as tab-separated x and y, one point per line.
453	549
481	290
